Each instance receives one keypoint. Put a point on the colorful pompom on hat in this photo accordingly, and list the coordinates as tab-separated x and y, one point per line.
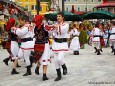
37	19
11	22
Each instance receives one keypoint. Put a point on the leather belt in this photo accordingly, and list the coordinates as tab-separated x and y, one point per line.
26	39
112	34
60	40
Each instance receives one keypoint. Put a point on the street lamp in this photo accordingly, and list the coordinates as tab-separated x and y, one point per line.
38	6
63	6
86	6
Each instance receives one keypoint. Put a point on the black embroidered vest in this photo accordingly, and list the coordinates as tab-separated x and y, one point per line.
41	35
12	36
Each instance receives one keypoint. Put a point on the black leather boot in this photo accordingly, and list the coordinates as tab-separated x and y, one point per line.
77	53
37	70
6	60
44	77
64	69
112	49
101	50
31	60
95	50
28	71
98	52
14	72
74	52
18	65
58	75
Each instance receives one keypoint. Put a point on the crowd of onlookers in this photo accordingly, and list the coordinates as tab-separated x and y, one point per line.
84	37
86	29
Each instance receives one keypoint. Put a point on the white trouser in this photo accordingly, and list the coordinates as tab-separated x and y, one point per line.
59	59
26	55
105	40
14	49
112	43
96	44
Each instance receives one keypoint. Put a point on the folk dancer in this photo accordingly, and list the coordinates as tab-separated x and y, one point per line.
27	44
96	38
8	43
60	44
102	43
112	37
75	45
41	48
14	44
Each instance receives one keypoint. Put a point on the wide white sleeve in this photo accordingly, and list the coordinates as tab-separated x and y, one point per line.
78	33
71	32
63	29
21	32
101	33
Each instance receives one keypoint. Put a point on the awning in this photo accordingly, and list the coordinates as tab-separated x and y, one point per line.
110	4
67	16
79	13
98	15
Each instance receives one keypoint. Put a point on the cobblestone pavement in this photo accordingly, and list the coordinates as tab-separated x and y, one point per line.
87	69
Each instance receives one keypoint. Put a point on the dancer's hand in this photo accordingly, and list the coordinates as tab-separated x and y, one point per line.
13	28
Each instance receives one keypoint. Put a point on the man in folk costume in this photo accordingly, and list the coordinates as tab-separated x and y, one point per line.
96	38
112	37
41	48
75	45
14	44
11	22
60	44
27	44
102	44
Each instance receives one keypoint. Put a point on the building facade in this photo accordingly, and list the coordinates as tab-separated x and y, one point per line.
31	6
107	5
79	5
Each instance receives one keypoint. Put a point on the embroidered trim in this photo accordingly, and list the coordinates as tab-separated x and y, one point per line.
61	50
26	48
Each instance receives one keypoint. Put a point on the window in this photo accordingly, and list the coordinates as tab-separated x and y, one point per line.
35	7
78	9
99	0
66	8
92	0
84	0
75	0
40	8
67	0
85	9
32	7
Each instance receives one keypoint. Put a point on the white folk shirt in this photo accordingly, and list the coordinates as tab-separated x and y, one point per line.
96	31
25	32
75	45
61	32
112	37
